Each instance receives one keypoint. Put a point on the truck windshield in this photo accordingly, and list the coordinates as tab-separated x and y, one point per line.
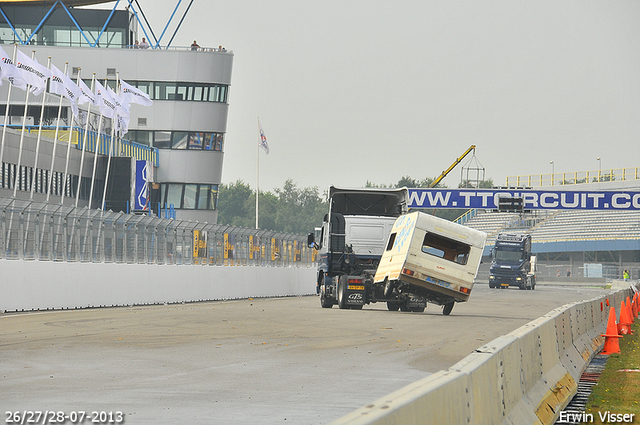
504	255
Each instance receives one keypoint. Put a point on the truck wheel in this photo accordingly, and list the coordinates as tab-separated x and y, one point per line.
491	285
447	308
533	283
418	309
342	287
393	306
523	285
324	301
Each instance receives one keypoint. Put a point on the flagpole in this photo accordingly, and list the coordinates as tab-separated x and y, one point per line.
257	173
114	123
84	139
35	163
66	164
24	123
6	114
53	154
95	156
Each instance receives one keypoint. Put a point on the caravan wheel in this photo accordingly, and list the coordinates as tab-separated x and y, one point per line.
447	308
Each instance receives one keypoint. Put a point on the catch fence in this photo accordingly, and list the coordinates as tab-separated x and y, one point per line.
49	232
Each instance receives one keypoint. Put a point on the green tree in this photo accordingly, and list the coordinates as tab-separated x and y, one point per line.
484	184
233	201
290	209
299	210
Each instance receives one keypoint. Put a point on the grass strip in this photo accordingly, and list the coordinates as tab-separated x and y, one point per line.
618	390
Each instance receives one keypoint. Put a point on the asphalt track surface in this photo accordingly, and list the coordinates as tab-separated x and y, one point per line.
256	361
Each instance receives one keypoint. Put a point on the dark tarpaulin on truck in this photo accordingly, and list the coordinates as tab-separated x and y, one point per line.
377	204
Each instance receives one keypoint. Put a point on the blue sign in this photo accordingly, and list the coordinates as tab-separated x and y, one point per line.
532	199
144	172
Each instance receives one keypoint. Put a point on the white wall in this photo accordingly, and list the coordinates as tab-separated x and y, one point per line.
40	285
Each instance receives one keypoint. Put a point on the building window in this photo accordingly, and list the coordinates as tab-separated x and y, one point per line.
162	139
189	196
178	139
174	195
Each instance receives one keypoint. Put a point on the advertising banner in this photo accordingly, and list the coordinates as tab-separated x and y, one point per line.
144	177
532	199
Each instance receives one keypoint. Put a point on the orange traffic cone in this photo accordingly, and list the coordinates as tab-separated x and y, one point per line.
624	324
634	306
611	343
632	318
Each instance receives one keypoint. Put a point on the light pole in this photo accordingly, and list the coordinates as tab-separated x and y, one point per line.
552	171
599	167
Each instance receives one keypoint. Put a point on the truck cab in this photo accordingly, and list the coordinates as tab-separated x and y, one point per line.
512	263
351	241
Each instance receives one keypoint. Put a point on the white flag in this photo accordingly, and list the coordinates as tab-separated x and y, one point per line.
61	84
9	71
86	96
33	73
122	112
263	140
132	94
106	104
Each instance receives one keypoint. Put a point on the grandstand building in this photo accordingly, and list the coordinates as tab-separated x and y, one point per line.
584	243
183	133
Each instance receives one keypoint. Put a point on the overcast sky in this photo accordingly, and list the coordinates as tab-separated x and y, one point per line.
349	91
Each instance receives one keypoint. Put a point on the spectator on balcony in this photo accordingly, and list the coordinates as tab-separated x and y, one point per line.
194	46
144	44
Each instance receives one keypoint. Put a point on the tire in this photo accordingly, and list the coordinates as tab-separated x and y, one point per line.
491	285
388	287
447	308
342	287
403	307
324	301
393	306
418	309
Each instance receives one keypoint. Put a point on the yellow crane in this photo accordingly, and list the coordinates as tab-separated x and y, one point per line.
456	162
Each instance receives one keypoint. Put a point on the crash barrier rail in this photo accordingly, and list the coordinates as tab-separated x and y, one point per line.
525	377
578	177
50	232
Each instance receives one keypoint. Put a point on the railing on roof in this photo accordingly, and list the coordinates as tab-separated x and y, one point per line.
125	147
579	177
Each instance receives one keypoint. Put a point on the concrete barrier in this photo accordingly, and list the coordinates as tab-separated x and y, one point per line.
525	377
42	285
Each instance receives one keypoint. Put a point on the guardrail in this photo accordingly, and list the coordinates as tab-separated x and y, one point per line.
48	232
525	377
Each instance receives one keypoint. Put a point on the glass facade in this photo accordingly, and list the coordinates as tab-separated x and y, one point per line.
171	90
60	30
189	196
192	140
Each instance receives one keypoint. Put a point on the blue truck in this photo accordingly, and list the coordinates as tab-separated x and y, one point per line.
512	263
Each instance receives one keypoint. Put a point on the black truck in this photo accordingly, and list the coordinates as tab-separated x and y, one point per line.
512	263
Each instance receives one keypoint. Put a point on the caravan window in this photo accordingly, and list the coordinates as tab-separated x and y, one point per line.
392	239
446	248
